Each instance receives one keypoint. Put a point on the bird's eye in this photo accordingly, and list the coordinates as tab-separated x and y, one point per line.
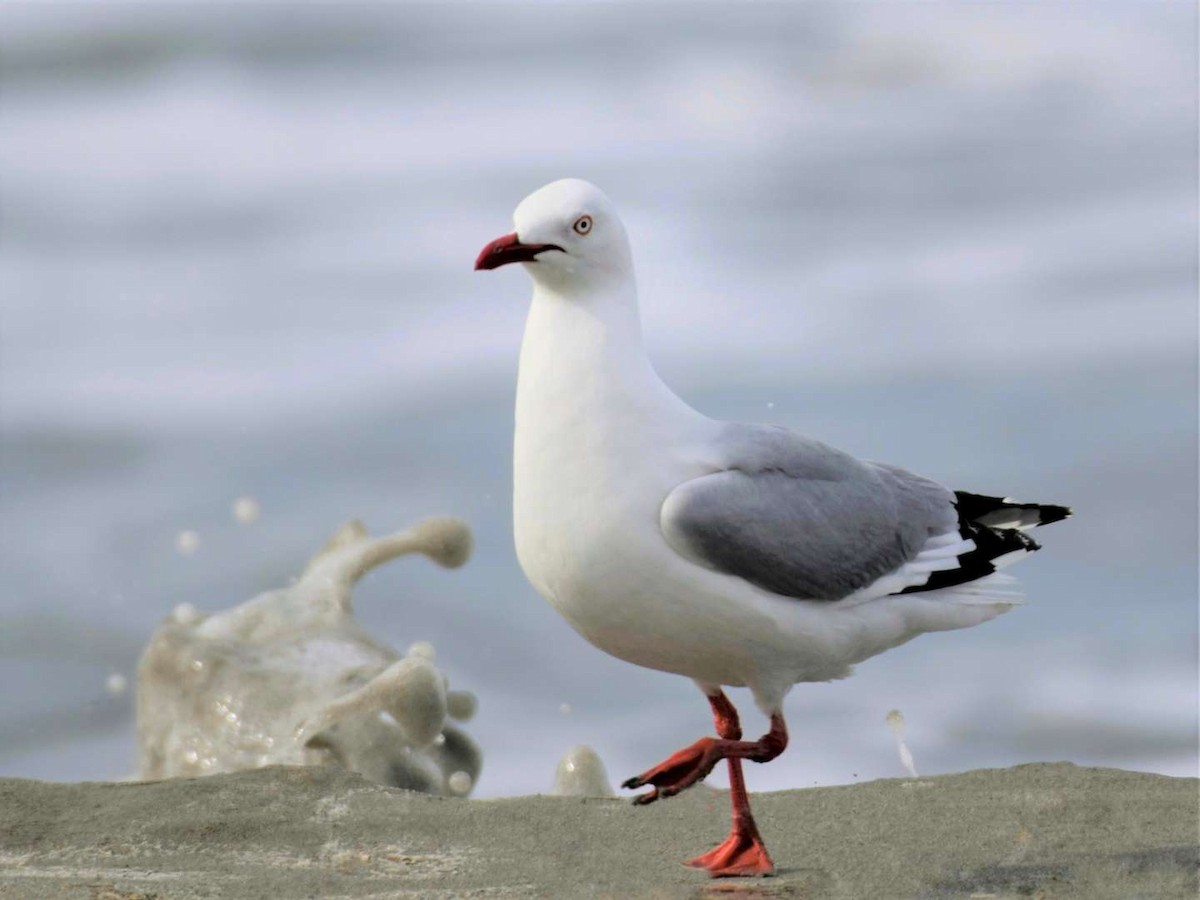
583	225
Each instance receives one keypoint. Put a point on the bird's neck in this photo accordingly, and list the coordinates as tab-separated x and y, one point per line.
583	355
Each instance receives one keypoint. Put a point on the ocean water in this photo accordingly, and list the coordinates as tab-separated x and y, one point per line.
235	259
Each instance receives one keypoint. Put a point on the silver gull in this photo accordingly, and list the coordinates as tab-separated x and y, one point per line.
740	555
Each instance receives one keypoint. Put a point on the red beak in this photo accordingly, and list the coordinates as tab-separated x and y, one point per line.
508	249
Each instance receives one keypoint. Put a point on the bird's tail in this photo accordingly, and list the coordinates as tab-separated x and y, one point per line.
996	527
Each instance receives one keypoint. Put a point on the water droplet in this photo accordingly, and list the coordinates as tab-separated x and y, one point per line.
187	542
461	705
424	650
246	510
895	721
580	773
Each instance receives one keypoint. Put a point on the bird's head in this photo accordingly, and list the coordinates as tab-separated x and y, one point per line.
568	235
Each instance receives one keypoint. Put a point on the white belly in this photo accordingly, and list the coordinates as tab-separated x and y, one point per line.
606	580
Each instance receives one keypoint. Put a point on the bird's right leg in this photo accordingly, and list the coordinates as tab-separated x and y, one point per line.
743	852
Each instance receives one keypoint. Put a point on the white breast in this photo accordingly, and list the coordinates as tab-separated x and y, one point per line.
599	443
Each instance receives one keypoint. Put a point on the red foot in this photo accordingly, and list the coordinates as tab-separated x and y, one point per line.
742	853
678	771
692	764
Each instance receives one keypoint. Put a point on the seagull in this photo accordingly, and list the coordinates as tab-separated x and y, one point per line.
733	554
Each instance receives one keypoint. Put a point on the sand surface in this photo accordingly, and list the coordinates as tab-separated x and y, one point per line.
1046	830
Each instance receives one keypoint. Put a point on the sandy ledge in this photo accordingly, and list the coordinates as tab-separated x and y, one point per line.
1046	830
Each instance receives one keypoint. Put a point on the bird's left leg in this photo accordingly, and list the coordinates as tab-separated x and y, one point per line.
743	852
692	764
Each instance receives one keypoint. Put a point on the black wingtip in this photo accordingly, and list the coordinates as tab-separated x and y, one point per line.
997	511
1049	514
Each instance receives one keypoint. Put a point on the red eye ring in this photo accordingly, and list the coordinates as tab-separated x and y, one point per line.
583	225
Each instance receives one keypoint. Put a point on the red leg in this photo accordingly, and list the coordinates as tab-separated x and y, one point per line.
743	852
681	770
725	716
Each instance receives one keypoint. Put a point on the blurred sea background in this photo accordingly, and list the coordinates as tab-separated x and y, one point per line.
235	260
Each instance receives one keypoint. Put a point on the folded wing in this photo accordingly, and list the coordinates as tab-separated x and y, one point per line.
801	519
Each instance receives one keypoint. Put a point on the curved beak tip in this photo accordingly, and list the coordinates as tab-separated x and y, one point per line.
497	253
509	249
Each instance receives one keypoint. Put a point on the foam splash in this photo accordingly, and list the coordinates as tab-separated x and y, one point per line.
290	677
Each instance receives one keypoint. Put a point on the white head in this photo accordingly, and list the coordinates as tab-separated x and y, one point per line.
569	238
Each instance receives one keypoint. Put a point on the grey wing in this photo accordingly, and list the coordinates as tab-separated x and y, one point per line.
801	519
